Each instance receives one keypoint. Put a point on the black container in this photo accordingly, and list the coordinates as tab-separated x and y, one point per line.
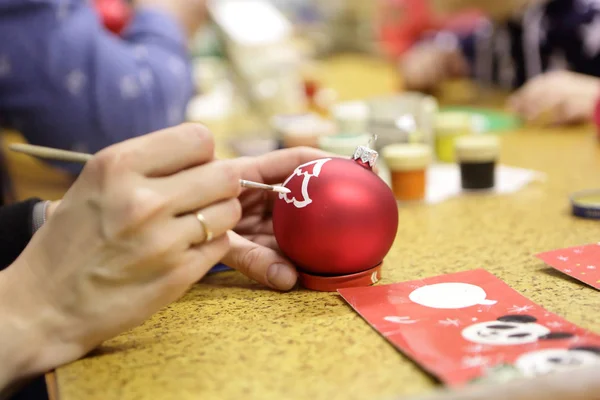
477	175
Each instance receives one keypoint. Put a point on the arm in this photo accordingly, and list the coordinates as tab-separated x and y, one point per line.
66	82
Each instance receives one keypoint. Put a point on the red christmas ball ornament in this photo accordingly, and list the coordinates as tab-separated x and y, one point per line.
338	221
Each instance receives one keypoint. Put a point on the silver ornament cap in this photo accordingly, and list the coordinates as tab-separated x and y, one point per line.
365	155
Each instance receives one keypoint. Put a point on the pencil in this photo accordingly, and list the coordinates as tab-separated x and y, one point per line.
81	158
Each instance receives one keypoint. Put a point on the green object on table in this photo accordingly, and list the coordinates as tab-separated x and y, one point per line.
491	120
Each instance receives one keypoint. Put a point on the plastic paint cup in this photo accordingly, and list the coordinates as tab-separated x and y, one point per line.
477	156
408	166
448	127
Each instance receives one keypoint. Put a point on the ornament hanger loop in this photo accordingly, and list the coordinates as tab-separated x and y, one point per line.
372	140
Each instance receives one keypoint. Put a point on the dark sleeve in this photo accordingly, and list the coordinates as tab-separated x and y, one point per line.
16	229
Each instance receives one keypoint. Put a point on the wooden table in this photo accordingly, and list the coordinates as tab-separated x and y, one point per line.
229	338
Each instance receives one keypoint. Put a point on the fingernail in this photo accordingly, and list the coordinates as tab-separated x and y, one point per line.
281	276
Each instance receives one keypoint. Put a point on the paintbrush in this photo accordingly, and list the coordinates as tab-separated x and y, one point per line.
81	158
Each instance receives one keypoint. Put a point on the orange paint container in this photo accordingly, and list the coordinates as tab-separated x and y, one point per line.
408	169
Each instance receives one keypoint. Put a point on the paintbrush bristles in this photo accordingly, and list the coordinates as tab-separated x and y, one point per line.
82	158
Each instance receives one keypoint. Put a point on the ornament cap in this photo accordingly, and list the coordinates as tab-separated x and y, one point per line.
365	156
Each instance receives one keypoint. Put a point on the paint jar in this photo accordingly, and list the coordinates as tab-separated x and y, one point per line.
408	167
477	156
448	127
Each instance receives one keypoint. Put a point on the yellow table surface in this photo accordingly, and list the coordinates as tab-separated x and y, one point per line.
228	338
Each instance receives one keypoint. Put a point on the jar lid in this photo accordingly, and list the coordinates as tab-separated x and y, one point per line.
342	144
482	147
448	122
586	204
407	156
333	283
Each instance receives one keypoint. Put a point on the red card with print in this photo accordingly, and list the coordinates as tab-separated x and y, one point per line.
471	326
581	263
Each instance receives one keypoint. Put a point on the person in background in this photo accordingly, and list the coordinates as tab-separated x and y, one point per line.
68	82
548	50
131	235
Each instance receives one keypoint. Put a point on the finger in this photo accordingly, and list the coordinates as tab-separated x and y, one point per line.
198	260
259	263
218	219
166	151
276	166
197	187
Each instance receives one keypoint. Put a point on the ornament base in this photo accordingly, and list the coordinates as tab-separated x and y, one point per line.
333	283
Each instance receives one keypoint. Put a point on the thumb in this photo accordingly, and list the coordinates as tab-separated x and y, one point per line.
260	263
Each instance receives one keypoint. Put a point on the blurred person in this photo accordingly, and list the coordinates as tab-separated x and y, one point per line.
129	237
66	81
548	50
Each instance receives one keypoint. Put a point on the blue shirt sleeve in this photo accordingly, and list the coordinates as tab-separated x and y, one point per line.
67	82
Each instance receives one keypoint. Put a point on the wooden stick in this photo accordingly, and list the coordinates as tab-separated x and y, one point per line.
81	158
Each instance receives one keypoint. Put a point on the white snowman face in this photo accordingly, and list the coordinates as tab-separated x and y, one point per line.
505	331
547	361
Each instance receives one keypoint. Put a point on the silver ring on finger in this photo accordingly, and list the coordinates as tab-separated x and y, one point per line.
207	232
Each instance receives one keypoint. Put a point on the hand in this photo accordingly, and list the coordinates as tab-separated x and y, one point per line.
191	14
123	243
566	97
254	250
425	67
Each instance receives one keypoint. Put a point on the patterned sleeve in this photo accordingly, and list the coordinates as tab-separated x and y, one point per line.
67	82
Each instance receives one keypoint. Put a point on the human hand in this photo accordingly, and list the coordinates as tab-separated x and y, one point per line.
562	97
427	66
254	250
191	14
123	243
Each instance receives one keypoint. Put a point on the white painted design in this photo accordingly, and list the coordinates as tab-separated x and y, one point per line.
400	320
519	309
563	258
449	322
374	277
5	66
547	361
473	319
577	251
591	267
476	348
567	270
75	81
504	332
305	199
554	324
130	89
450	295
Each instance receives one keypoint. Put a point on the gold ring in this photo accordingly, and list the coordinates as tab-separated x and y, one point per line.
207	231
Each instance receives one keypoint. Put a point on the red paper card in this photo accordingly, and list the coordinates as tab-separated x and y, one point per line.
470	326
581	263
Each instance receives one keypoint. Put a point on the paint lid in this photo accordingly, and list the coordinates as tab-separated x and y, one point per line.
586	204
407	157
343	145
333	283
351	117
477	148
452	122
